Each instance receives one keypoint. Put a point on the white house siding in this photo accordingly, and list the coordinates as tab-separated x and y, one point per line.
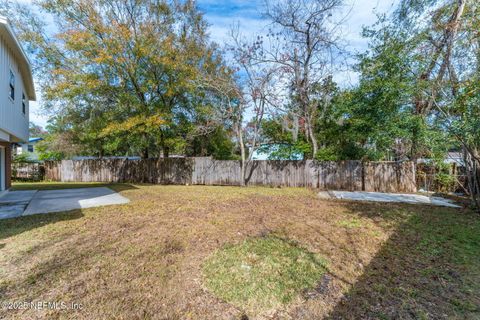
13	121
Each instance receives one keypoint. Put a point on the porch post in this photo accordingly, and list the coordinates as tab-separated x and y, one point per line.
7	163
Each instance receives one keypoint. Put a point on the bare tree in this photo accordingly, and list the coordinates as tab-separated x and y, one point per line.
304	43
230	107
257	80
244	95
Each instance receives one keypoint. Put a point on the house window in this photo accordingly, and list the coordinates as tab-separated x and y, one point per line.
30	148
24	105
12	85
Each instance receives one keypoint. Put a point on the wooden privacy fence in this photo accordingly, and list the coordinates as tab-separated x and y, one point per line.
342	175
27	171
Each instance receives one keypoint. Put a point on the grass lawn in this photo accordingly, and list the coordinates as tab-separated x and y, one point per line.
262	274
194	252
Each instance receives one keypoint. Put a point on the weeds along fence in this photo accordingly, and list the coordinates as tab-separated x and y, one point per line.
453	178
342	175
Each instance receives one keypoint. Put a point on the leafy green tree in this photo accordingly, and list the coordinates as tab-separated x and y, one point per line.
377	113
123	73
218	144
431	47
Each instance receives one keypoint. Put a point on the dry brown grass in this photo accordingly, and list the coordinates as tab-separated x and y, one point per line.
144	260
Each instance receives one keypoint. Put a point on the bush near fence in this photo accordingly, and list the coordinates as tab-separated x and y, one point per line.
342	175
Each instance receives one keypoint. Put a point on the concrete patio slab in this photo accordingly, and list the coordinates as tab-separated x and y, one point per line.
17	197
70	199
388	197
11	210
22	203
13	203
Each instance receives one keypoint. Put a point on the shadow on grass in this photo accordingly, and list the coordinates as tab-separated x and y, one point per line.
429	268
14	226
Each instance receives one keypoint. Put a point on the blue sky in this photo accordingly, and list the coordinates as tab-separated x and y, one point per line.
221	15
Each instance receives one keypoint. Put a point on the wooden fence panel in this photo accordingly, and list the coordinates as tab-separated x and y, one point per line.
28	171
256	173
176	171
389	177
312	174
200	168
328	175
406	173
341	175
67	172
52	170
207	171
277	173
286	173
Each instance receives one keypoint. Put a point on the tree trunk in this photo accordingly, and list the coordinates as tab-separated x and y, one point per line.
313	139
144	153
166	151
415	149
471	169
242	154
314	144
295	128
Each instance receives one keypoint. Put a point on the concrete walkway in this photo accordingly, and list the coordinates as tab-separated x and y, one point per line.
23	203
14	203
387	197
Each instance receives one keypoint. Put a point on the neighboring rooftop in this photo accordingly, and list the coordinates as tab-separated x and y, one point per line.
37	139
